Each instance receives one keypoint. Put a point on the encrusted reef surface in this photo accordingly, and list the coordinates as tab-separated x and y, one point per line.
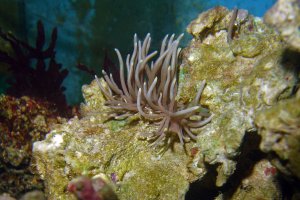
23	121
241	60
285	17
279	127
243	74
260	184
95	145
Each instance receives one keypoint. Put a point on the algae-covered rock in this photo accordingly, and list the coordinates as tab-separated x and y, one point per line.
260	184
243	76
215	20
94	145
279	127
23	121
285	17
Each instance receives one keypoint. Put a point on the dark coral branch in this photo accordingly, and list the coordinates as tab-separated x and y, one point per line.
35	70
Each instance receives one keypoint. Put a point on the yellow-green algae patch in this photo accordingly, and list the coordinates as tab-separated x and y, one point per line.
94	145
243	76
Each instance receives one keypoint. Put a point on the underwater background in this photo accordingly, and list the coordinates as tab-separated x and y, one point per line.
89	29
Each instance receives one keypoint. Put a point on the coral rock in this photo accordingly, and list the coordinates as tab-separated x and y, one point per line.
279	127
285	17
243	76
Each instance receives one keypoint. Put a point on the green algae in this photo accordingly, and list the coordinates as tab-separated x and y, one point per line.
116	125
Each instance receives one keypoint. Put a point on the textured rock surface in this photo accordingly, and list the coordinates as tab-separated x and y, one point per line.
94	145
285	17
243	77
23	121
260	184
279	127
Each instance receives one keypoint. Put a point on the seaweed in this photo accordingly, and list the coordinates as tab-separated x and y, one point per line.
35	71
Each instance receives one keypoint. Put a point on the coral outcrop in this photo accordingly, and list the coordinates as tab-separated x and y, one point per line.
22	122
240	59
243	76
260	184
285	17
279	127
96	145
